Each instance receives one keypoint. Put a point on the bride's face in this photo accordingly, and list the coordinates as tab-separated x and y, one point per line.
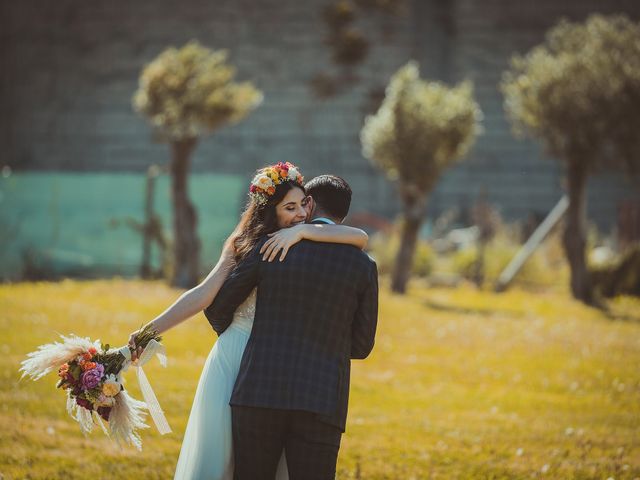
292	209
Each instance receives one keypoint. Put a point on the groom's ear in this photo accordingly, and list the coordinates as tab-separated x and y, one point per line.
312	206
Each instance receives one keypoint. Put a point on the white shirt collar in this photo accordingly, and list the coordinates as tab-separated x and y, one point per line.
324	219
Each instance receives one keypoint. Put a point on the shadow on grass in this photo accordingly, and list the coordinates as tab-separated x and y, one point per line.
621	317
482	312
613	311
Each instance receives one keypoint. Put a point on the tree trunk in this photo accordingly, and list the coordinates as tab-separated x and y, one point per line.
186	245
478	267
575	233
147	238
413	214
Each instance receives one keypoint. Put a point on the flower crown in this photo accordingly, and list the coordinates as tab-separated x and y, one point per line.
264	183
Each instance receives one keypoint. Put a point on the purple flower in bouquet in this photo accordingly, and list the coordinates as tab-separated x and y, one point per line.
91	378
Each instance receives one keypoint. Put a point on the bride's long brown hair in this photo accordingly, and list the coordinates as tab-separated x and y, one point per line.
258	220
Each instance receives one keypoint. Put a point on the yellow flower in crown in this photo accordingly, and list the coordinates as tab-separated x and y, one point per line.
264	183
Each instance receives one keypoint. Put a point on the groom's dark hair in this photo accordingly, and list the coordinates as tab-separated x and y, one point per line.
331	193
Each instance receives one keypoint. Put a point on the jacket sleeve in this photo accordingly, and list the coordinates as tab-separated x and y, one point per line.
244	277
363	328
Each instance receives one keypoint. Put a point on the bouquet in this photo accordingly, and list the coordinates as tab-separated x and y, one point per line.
91	375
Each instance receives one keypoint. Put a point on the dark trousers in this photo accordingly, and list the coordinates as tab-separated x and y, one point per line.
259	435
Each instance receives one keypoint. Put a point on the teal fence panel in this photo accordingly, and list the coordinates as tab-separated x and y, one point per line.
74	223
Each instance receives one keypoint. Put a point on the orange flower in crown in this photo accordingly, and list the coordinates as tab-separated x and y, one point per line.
264	183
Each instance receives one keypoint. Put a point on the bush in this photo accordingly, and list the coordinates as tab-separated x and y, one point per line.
619	277
545	267
384	248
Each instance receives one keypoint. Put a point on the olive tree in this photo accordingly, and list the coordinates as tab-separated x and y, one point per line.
579	94
185	94
421	129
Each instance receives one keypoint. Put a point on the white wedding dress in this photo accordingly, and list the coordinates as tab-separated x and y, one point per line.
207	446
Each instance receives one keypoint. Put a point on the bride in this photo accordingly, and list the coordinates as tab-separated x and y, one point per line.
278	206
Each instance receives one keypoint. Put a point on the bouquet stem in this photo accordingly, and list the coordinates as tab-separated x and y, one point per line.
115	362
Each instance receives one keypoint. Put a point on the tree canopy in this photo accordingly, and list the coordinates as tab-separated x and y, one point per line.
189	92
579	92
421	128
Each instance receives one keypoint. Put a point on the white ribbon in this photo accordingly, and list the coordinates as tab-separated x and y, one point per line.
153	347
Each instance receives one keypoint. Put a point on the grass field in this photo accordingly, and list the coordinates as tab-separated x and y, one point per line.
461	384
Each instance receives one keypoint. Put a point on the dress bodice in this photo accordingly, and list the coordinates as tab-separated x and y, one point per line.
243	316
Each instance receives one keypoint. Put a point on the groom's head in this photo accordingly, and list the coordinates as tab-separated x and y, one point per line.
331	197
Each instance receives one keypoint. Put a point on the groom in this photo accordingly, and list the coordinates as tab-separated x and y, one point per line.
314	312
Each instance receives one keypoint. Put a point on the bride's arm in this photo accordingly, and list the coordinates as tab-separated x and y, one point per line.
283	239
196	299
322	232
192	301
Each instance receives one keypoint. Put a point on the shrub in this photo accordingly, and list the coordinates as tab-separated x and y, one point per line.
385	246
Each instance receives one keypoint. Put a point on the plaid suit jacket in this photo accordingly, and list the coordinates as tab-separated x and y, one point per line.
315	311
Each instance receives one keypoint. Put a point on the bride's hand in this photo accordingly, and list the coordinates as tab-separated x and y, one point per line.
282	240
228	248
136	351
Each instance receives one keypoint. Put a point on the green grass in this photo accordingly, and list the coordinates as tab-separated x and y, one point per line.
461	384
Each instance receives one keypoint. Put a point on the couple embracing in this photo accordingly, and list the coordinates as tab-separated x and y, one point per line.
293	299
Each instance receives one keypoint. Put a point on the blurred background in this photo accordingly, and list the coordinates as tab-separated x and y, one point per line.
76	153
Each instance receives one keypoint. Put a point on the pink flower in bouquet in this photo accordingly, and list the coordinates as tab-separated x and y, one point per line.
91	378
